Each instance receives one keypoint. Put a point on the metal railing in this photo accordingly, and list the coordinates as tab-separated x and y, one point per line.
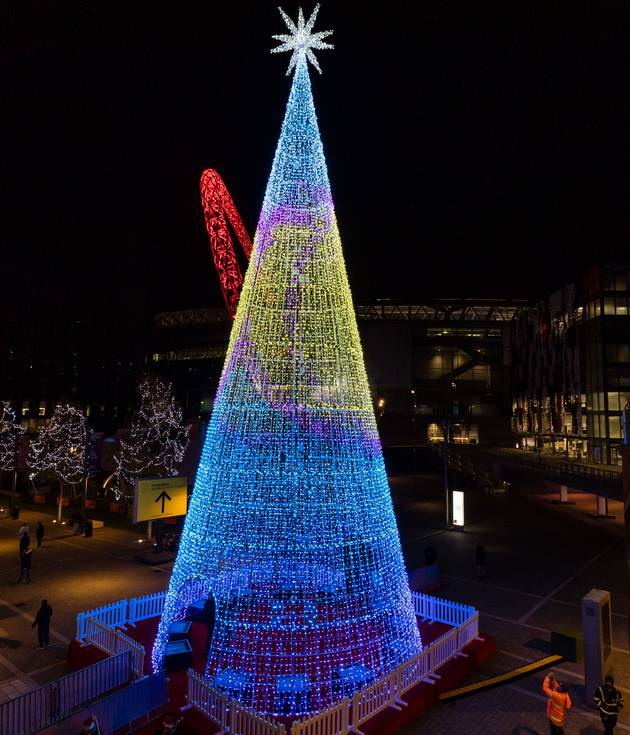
532	462
114	641
124	711
60	699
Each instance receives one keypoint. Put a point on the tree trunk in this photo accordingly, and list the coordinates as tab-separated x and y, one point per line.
59	502
13	487
83	499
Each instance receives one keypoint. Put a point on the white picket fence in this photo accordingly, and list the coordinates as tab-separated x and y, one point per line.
97	626
333	721
113	615
246	722
213	704
468	631
145	607
412	672
442	650
368	702
114	641
123	612
441	611
348	715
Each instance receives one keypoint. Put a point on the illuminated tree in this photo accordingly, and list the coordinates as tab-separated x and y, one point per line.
158	437
291	526
60	448
10	433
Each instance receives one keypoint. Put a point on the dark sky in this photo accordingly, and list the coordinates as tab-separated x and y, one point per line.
474	148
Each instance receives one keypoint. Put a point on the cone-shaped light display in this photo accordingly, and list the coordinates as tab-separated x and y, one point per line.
291	526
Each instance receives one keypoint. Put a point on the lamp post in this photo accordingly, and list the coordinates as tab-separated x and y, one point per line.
625	476
445	430
414	438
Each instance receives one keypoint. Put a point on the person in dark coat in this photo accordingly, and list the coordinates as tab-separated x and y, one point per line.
24	530
26	556
42	621
39	533
25	542
480	554
609	702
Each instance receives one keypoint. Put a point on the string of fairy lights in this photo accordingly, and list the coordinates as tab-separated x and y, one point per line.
10	433
291	526
158	436
60	447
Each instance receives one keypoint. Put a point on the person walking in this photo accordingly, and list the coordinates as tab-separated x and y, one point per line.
25	542
39	534
26	556
480	554
557	706
42	621
609	701
24	531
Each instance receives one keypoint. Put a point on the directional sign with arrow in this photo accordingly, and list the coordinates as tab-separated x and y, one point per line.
160	497
163	496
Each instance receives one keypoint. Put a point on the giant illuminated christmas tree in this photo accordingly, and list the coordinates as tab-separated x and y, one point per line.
291	525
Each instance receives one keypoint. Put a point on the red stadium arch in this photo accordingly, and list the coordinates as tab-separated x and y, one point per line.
217	205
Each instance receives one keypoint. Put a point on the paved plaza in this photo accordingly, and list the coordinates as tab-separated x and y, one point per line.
542	558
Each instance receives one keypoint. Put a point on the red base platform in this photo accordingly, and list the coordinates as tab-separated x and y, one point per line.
419	699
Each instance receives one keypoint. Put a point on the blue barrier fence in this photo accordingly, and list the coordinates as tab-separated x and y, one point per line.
37	710
136	704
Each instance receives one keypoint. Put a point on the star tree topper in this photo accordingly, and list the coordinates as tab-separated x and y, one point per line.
301	40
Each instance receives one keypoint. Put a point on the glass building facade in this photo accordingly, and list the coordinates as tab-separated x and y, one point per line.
571	368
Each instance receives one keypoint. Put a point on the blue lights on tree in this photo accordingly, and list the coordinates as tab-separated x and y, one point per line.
291	526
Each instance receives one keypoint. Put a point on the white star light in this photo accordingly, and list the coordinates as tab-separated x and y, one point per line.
301	40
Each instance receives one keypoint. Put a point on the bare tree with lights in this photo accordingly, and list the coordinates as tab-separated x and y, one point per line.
60	448
10	433
158	436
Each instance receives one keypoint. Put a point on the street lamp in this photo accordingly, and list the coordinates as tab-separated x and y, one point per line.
445	430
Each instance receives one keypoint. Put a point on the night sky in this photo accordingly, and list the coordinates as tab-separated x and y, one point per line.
474	149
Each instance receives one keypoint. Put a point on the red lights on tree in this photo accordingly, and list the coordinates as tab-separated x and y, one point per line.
217	206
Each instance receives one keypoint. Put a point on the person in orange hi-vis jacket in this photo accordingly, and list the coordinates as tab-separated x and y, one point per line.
559	702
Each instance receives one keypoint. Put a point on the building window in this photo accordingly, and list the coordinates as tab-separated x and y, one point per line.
434	433
25	408
614	427
42	408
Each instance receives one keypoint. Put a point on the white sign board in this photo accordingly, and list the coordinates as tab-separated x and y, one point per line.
458	508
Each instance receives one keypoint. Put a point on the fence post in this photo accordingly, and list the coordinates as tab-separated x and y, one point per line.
54	701
80	631
233	706
131	614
